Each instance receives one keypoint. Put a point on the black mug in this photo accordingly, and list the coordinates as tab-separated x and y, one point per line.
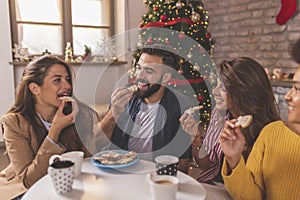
166	165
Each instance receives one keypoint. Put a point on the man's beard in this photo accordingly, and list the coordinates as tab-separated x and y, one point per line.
150	91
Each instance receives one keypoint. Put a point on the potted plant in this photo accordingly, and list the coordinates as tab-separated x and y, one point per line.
87	53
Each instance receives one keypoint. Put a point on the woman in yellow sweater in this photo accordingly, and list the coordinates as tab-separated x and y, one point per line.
272	170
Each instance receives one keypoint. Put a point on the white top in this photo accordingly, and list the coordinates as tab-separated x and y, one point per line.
141	135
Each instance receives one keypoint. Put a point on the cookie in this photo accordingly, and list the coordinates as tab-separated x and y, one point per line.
244	121
192	110
67	98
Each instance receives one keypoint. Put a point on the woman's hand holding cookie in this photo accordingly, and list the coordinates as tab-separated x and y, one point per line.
232	142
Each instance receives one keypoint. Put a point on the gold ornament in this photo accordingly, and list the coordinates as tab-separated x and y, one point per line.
180	71
139	44
178	5
196	68
195	17
200	7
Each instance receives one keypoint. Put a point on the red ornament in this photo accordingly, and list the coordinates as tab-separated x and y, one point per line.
163	17
202	51
181	35
208	35
150	41
155	8
200	98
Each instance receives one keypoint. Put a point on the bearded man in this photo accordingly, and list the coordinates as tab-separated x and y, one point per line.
147	120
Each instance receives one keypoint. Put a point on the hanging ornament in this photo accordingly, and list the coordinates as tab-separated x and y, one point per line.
180	71
167	41
163	18
202	51
208	35
195	17
155	8
179	5
200	6
196	68
150	41
139	44
189	55
181	35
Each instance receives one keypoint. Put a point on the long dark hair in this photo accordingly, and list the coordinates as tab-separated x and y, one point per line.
249	92
35	72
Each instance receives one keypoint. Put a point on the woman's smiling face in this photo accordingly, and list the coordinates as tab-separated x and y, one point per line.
56	84
220	96
293	99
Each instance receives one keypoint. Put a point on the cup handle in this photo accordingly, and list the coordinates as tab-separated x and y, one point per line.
53	158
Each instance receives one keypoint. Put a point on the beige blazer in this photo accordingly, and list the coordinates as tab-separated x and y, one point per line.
29	157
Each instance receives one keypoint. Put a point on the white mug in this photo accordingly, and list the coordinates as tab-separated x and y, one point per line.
75	156
162	186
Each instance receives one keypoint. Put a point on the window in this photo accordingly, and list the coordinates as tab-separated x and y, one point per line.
40	25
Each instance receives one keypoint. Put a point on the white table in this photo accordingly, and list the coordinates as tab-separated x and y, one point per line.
128	184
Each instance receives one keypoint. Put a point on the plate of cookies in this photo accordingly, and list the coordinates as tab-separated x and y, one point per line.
115	159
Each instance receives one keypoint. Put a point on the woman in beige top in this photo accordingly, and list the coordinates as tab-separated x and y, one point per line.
35	127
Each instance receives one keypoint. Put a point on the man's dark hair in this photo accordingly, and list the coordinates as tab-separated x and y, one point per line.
168	58
295	51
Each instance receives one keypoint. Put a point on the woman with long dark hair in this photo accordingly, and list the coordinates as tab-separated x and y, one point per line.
38	124
243	89
272	169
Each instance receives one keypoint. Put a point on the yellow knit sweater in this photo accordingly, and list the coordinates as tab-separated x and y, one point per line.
273	167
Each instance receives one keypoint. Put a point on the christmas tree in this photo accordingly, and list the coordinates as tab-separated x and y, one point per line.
182	25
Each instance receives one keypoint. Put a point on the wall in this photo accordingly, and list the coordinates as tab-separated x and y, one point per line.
248	28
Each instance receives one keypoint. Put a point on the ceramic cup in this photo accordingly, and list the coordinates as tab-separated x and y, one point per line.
162	186
75	156
166	165
62	175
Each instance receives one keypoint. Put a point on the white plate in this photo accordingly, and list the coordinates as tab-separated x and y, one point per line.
98	164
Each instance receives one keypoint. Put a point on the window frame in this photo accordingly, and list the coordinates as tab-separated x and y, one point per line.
67	26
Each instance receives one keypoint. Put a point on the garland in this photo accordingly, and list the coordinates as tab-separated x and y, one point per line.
169	23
